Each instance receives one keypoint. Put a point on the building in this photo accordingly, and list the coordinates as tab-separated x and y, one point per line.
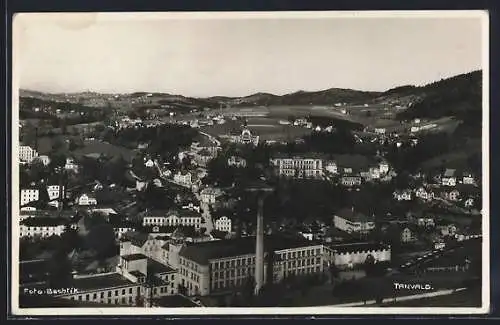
351	181
71	165
27	154
44	159
223	224
331	167
246	138
173	218
298	167
55	192
225	265
449	178
423	194
203	157
29	195
350	255
184	178
237	162
210	195
86	199
425	222
402	195
468	178
351	221
42	227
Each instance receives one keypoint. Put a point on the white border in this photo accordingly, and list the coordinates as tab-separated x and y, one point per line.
321	310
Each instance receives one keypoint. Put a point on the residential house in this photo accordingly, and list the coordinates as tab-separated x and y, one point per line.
468	178
55	191
402	195
223	224
27	154
447	229
29	195
424	194
351	180
44	159
449	178
71	165
210	195
184	178
238	162
331	167
86	200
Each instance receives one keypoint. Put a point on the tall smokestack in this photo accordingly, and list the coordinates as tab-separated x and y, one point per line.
259	249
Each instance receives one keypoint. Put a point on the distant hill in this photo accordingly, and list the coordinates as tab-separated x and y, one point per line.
459	96
456	96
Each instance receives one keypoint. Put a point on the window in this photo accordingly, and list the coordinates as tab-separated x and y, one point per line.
109	293
130	291
102	295
80	298
130	300
95	296
87	297
123	300
123	291
116	293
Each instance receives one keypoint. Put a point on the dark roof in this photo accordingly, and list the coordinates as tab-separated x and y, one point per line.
155	267
357	247
44	222
137	274
203	252
137	238
101	281
353	216
134	257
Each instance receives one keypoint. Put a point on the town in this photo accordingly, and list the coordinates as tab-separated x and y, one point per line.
154	200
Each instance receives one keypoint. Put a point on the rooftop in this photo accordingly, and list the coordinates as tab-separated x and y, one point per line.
202	253
134	257
353	216
108	280
155	267
358	247
449	172
175	301
44	222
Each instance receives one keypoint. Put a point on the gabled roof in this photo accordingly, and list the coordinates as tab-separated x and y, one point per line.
354	216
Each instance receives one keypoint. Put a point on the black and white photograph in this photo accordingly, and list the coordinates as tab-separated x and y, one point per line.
211	163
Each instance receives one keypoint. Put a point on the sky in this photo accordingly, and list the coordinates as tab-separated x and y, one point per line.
236	57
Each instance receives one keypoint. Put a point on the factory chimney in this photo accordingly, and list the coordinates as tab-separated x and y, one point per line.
259	249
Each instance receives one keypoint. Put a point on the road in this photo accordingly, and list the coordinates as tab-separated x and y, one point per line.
436	253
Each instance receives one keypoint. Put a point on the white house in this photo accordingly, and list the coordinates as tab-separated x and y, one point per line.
353	222
423	194
383	167
425	222
449	178
223	224
403	195
350	180
209	195
468	178
27	154
44	159
86	199
331	167
183	178
380	130
71	165
149	163
236	162
55	191
29	195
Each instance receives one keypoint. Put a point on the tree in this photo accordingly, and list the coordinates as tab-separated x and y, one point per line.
60	270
